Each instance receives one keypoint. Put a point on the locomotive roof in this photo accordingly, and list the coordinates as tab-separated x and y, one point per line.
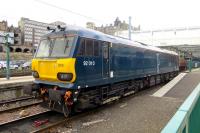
89	33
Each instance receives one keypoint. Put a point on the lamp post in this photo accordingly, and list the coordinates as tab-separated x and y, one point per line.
190	64
7	58
7	38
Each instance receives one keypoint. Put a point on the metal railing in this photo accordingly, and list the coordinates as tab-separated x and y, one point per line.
187	118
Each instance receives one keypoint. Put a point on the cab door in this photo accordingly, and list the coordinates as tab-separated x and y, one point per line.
105	60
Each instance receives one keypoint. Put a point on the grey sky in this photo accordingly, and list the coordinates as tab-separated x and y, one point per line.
150	14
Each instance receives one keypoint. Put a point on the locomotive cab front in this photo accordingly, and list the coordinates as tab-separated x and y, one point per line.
53	68
53	60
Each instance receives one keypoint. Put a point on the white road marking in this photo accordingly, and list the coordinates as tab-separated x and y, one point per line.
161	92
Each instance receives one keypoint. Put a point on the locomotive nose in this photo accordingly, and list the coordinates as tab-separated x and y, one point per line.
54	70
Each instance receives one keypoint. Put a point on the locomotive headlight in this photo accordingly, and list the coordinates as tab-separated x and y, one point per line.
35	74
65	76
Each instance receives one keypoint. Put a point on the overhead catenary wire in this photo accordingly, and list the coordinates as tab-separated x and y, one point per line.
67	10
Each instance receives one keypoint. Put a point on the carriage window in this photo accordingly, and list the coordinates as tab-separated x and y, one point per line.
89	47
81	50
96	48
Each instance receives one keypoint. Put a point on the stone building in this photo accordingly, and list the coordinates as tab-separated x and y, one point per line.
111	29
3	28
3	25
90	25
33	30
17	32
28	34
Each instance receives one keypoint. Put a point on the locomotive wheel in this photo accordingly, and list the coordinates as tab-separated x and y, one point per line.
66	110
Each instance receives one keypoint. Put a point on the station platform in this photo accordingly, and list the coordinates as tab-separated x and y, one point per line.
147	112
15	81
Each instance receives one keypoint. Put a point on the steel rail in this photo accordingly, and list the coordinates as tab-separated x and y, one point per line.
16	99
23	118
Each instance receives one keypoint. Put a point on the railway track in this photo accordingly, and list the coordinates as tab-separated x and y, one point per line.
53	120
28	124
12	110
23	118
18	114
10	88
15	100
18	103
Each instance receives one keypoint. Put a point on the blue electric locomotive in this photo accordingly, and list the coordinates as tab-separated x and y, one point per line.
76	68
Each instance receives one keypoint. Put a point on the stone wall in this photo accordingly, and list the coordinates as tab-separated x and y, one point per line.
17	56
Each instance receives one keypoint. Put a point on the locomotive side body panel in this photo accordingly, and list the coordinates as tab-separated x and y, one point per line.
88	67
76	68
115	62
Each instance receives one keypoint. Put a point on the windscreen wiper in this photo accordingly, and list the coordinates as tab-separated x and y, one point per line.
66	46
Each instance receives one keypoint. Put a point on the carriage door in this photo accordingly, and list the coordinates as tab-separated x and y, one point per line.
158	63
105	60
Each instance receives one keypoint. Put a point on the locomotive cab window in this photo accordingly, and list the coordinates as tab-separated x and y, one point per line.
88	47
62	47
55	47
81	50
